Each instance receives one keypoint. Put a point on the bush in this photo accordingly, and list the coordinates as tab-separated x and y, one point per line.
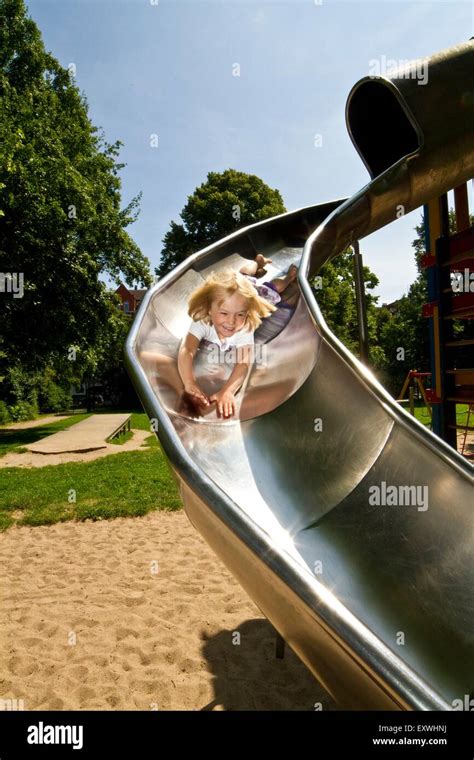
4	413
24	393
23	411
52	397
20	397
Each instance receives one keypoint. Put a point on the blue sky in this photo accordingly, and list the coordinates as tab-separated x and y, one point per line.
166	67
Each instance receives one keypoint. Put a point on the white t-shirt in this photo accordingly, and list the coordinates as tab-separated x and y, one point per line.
203	331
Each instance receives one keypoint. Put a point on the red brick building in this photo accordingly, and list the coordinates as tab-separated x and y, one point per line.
130	298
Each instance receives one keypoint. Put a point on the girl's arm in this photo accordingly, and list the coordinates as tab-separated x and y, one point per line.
225	396
187	352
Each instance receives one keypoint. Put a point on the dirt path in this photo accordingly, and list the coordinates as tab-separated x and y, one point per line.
30	459
35	423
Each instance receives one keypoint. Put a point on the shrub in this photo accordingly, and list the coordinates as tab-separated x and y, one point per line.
23	411
4	413
53	397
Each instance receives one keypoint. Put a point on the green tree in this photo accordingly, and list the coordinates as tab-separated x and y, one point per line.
224	203
62	224
48	388
403	334
334	290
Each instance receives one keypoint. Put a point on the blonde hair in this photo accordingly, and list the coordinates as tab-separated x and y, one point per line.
221	285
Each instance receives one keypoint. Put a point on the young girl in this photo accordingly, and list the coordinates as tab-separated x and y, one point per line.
226	310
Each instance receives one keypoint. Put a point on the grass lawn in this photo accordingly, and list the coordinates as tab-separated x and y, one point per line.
122	485
422	414
127	484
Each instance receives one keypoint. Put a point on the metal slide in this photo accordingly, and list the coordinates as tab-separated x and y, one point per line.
376	599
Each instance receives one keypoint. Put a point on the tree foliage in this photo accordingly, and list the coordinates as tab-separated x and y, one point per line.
224	203
62	225
400	325
334	289
404	336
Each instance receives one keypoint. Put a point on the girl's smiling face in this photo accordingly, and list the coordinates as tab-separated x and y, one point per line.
228	314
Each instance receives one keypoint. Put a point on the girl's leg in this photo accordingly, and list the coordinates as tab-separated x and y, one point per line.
291	294
255	268
281	283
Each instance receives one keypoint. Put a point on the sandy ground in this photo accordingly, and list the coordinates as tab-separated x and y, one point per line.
136	614
30	459
466	441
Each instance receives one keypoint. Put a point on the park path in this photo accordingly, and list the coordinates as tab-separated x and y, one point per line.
27	459
88	435
34	423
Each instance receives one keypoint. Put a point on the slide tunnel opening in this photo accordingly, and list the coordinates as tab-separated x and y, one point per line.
379	126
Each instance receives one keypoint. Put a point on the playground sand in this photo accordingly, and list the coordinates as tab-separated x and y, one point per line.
135	614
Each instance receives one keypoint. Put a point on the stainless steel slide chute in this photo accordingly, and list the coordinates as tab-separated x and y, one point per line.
348	523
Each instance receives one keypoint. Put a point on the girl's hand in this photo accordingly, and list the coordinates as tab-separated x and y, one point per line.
225	401
194	390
